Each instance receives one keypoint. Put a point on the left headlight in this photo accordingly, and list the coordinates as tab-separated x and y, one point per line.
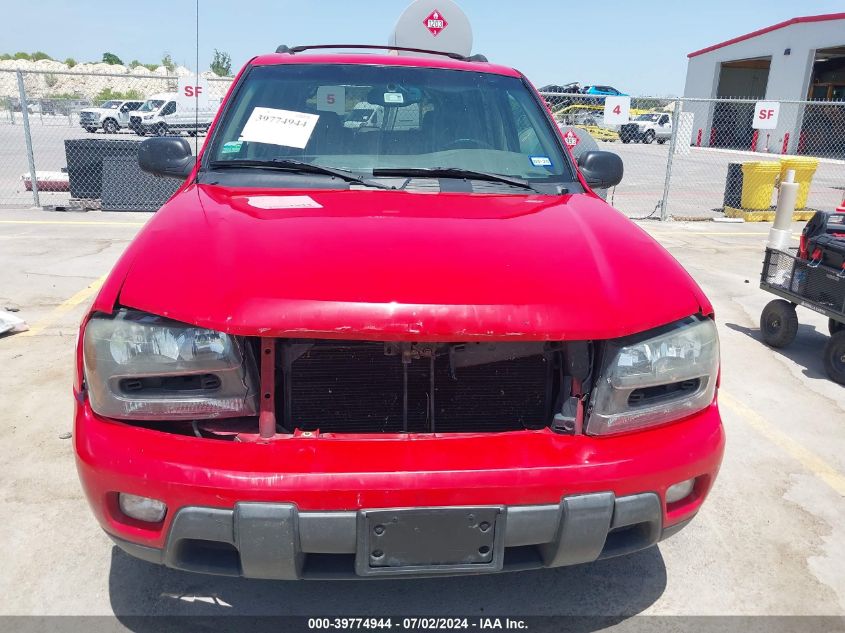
656	378
144	367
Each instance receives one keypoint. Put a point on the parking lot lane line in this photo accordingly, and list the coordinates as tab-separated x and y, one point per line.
70	222
807	458
63	308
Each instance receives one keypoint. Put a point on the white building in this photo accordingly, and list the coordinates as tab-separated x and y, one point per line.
799	59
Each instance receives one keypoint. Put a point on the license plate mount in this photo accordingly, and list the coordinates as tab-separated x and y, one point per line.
437	540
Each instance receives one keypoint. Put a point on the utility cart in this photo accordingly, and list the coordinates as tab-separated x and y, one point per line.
812	285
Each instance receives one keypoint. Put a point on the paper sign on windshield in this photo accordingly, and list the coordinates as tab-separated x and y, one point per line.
279	127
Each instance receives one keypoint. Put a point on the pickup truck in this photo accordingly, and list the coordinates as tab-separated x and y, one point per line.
420	347
111	116
647	127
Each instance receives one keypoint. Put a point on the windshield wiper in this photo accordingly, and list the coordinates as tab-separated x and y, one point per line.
453	172
297	166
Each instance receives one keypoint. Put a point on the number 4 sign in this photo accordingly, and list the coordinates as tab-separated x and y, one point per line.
766	115
617	109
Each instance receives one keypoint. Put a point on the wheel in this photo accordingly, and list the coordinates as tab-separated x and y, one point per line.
140	131
648	137
834	326
778	323
110	126
192	132
660	141
834	357
161	129
91	129
625	139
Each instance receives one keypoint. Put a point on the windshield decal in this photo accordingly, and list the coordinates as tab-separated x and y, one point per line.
332	99
540	161
283	202
279	127
232	147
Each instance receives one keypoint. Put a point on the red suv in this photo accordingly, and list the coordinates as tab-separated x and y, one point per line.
411	343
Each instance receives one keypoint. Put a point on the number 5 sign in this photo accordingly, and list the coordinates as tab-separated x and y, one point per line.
331	99
617	109
766	115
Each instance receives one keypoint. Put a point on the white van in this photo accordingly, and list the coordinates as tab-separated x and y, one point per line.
160	116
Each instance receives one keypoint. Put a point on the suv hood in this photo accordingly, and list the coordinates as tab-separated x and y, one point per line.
387	265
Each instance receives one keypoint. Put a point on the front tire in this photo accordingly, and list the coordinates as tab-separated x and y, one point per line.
660	141
834	357
110	126
648	137
778	323
161	129
92	130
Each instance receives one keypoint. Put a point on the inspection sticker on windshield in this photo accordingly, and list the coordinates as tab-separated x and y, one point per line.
394	97
540	161
283	202
279	127
232	147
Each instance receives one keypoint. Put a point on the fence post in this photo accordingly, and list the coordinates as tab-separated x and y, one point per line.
28	136
673	141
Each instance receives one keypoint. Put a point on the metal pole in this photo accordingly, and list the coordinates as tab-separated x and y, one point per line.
676	115
26	133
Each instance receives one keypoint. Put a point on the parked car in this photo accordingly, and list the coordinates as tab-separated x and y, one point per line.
605	91
111	116
648	127
392	351
160	116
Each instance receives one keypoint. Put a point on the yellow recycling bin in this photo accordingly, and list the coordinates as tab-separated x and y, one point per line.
804	168
758	183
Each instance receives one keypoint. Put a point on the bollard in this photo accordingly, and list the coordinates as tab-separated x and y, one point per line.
698	142
781	231
785	143
754	136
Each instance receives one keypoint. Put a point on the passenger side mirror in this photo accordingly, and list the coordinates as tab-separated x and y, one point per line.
168	156
601	170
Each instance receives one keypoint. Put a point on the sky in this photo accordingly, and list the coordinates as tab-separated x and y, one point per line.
637	47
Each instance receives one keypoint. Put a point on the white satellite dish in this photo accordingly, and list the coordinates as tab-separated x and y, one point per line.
437	25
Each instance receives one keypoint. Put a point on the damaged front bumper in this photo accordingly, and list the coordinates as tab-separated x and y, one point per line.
276	541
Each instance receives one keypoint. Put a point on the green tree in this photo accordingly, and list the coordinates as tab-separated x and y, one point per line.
111	58
39	55
21	55
107	94
151	67
5	56
221	64
70	62
167	62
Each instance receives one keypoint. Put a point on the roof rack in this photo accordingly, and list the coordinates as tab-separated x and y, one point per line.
299	49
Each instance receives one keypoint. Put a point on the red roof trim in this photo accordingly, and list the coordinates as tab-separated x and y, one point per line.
768	29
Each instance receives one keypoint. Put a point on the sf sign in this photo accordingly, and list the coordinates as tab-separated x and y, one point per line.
766	115
435	22
571	139
192	93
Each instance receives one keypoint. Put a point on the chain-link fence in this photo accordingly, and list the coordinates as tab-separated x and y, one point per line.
693	158
73	137
76	136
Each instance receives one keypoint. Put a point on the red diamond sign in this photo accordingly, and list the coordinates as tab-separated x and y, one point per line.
435	22
571	139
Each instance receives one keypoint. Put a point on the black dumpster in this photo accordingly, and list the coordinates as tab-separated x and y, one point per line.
127	188
85	163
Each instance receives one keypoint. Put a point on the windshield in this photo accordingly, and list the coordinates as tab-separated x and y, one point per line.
150	105
110	105
361	118
648	117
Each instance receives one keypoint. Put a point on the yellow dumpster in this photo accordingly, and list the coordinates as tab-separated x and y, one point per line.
758	183
805	168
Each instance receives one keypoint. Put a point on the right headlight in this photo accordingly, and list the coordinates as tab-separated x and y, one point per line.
656	378
140	366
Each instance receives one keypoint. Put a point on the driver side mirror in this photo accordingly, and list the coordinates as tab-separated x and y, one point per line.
601	170
168	156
